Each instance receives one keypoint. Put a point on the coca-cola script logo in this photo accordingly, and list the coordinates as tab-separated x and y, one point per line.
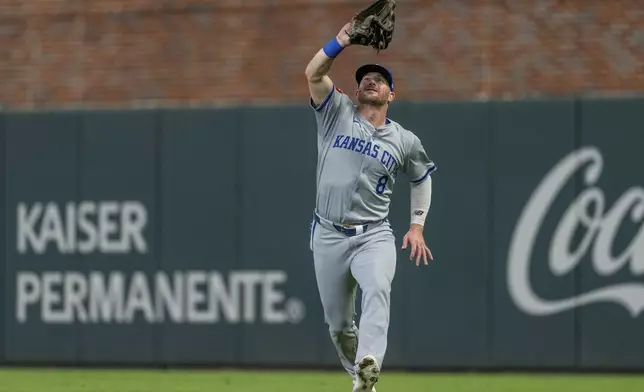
601	225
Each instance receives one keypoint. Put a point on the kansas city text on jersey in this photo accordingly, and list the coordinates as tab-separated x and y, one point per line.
364	147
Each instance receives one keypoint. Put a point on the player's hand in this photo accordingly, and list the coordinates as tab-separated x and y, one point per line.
343	36
415	239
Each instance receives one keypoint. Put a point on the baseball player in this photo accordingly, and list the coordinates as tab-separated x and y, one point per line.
360	153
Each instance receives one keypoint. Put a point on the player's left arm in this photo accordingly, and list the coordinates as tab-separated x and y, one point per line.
419	167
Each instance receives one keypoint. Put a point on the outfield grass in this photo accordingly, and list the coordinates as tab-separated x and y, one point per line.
65	380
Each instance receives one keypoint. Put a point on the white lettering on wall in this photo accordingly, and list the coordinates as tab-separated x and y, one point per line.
601	227
85	227
181	297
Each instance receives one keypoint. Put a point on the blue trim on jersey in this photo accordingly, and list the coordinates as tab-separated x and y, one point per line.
313	226
424	177
326	100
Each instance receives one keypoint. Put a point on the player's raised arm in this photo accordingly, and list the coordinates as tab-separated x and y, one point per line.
317	70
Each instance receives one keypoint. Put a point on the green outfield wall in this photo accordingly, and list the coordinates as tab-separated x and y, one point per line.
182	237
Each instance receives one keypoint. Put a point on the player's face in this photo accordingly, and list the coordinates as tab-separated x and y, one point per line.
374	90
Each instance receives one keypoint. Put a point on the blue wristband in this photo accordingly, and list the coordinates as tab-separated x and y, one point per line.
333	48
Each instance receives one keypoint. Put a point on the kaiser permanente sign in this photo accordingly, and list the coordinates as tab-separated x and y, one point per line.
111	227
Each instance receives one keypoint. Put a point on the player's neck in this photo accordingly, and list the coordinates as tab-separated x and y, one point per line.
376	115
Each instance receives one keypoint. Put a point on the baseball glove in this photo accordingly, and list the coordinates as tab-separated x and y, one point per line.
374	25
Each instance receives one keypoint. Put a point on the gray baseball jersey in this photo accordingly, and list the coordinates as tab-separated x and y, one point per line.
358	164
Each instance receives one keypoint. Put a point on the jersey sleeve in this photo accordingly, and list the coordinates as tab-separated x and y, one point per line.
330	110
418	166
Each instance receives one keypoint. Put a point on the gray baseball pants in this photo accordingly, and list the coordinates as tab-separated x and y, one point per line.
342	262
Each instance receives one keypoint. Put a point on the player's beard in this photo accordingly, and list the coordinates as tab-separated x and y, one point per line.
367	98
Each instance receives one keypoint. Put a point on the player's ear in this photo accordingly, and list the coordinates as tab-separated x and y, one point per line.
392	96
